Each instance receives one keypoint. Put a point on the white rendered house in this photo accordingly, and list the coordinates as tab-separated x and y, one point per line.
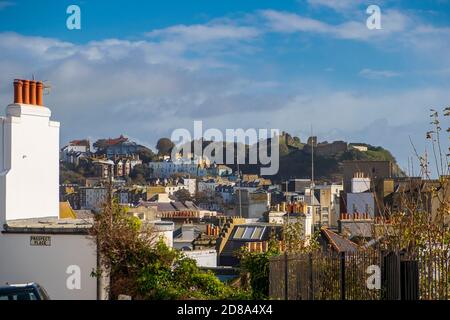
29	161
35	245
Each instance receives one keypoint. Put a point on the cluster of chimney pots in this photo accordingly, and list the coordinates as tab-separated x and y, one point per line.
355	216
212	230
28	92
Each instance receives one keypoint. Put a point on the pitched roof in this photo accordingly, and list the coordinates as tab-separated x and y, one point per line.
83	142
338	242
66	211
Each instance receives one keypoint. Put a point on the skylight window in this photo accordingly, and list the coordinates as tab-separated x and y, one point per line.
239	232
252	232
248	233
258	233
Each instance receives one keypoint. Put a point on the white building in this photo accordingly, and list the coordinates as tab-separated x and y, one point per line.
361	203
204	258
191	185
35	246
361	200
92	198
171	189
208	187
329	199
165	169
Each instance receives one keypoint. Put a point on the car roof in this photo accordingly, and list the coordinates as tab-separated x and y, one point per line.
18	287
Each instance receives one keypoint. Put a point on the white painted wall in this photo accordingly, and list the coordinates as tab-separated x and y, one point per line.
191	185
204	258
360	185
29	163
21	263
363	202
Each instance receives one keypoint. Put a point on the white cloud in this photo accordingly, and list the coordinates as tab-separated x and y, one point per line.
392	22
336	4
205	33
378	74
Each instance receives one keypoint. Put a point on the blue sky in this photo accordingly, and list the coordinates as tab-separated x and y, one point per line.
145	68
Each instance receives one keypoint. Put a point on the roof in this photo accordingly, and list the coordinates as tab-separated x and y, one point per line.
177	206
244	233
338	242
111	142
84	214
66	211
83	142
49	225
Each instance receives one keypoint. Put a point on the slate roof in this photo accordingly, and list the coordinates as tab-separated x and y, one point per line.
176	206
338	242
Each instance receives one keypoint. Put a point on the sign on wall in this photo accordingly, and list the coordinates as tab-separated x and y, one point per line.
45	241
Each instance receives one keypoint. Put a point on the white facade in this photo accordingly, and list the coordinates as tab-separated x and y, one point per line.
75	148
33	246
170	190
191	185
204	258
163	231
360	184
93	198
207	187
165	169
363	202
29	165
51	266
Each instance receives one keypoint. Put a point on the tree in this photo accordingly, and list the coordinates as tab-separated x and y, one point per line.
146	155
140	173
144	267
183	195
255	269
164	146
200	197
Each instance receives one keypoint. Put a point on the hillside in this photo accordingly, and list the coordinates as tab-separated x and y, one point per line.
295	159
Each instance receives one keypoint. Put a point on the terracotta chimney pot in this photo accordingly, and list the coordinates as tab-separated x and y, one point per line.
26	91
39	93
32	92
18	91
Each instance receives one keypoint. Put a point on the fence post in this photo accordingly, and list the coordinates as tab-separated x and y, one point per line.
342	274
311	280
399	274
286	276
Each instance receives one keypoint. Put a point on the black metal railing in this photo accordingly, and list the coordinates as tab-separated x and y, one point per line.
362	275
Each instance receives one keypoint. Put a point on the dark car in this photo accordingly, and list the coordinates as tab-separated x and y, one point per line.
29	291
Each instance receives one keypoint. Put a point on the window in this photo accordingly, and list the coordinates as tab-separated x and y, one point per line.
19	296
254	233
248	233
239	232
258	233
